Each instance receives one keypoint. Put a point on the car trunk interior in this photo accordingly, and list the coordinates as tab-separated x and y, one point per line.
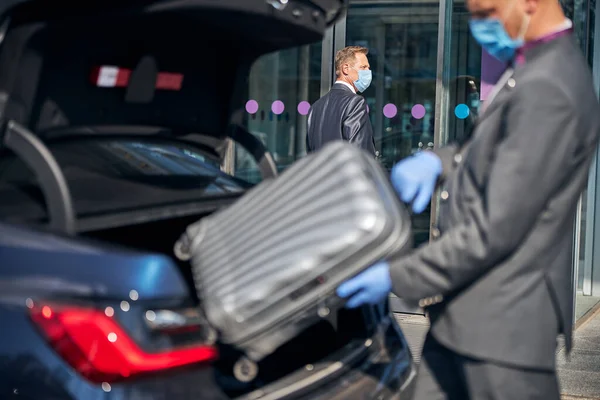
52	48
314	344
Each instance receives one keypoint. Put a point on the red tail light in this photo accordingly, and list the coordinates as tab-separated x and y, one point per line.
109	76
99	349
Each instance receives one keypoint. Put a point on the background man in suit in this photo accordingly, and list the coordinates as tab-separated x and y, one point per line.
496	279
342	114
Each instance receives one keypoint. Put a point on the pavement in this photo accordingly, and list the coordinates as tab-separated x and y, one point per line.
578	373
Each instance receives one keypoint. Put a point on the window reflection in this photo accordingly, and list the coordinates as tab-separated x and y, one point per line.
402	43
466	66
463	102
281	88
155	163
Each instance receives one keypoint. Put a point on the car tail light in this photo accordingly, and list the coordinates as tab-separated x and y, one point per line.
100	350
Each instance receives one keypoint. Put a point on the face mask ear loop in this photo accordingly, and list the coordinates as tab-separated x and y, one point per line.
357	73
508	10
348	80
524	27
524	22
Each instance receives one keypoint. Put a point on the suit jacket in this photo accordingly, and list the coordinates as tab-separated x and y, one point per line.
339	115
496	279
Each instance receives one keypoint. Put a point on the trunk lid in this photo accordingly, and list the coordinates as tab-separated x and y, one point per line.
181	64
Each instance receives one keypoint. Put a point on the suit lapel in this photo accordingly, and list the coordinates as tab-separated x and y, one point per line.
508	74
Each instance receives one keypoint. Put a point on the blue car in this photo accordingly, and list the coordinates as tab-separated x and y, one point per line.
100	176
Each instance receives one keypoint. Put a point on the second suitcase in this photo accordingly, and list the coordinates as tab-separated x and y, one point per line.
267	267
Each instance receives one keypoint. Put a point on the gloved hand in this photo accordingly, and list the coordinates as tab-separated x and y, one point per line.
371	286
414	179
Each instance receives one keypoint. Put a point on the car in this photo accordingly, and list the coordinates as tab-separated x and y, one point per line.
115	121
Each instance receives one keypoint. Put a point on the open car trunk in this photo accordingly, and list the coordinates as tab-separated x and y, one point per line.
52	53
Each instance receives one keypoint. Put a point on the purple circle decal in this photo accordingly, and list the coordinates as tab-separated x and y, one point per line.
303	107
252	106
418	111
277	107
390	110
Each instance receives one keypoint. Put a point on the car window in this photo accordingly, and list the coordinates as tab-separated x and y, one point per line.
136	160
160	158
106	174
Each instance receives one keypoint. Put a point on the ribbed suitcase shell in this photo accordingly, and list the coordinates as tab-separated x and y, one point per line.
267	267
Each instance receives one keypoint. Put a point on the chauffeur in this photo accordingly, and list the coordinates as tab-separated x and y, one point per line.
496	281
342	114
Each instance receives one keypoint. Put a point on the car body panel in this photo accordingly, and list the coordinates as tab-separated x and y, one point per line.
40	264
31	370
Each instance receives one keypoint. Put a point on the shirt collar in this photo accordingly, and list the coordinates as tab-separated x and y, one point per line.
561	30
347	84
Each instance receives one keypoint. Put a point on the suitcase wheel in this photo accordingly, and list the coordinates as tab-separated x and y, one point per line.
245	370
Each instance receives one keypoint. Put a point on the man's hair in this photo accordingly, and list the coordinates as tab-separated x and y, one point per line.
347	55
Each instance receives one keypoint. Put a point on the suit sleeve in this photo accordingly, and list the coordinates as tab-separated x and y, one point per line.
357	125
536	155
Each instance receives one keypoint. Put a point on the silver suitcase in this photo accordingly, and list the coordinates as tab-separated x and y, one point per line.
267	267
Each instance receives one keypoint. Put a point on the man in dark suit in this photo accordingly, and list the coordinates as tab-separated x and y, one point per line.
342	114
496	279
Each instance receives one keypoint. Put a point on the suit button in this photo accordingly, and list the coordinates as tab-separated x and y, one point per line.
457	158
435	233
445	195
425	302
546	214
438	298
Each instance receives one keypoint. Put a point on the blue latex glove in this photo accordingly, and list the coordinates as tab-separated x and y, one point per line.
414	179
371	286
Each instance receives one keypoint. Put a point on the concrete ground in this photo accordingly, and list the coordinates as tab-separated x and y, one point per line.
583	304
579	374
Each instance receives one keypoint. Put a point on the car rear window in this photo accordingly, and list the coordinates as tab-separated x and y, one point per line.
117	174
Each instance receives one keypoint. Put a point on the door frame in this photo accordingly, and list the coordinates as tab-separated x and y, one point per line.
335	39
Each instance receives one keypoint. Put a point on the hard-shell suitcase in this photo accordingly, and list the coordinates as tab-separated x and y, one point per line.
267	267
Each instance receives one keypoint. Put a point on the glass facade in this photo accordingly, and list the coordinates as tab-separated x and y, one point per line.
429	79
281	87
586	273
402	43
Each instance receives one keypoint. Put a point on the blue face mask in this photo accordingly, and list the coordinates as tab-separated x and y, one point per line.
364	80
492	36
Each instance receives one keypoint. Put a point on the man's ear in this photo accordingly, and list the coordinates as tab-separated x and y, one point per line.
345	69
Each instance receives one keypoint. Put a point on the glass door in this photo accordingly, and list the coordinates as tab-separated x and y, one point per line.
402	38
424	92
402	42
